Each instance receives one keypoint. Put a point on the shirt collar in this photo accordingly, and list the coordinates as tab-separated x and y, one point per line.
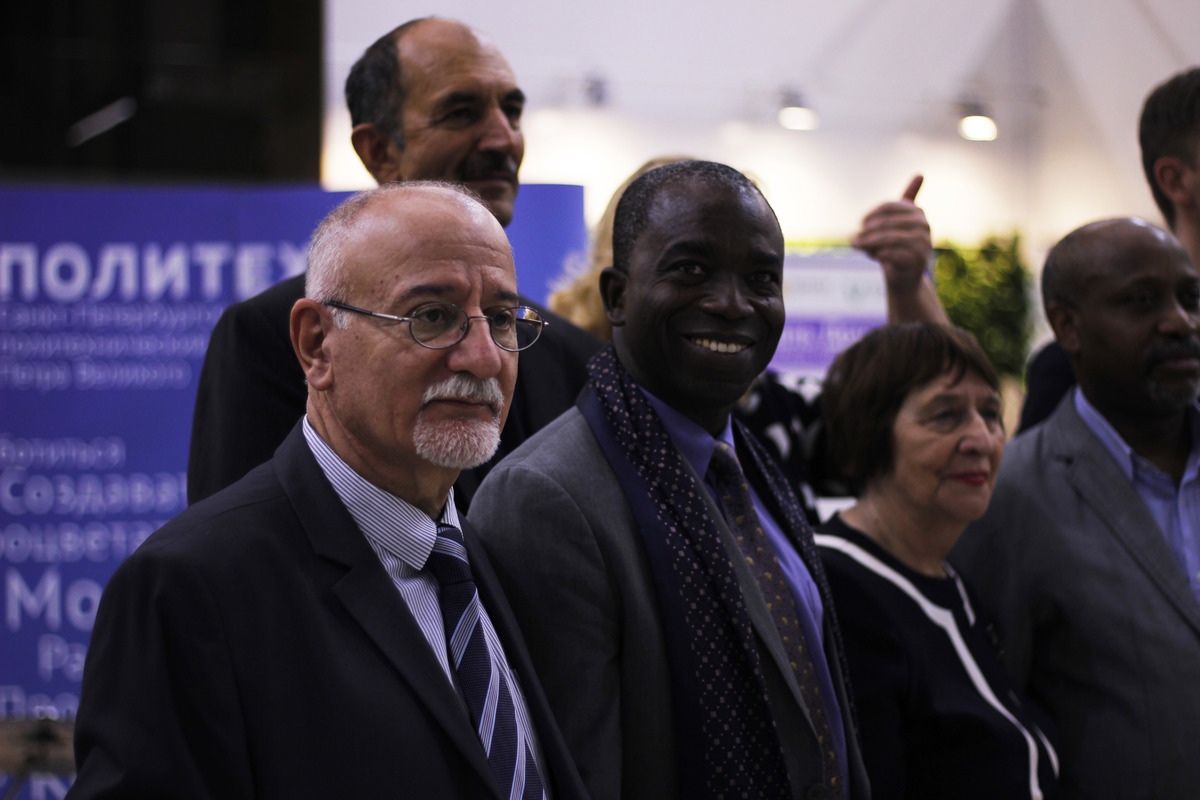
695	444
1130	462
386	520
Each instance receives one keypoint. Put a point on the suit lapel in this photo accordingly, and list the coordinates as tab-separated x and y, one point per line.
1101	484
369	597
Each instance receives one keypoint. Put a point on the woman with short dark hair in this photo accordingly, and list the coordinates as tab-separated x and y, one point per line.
913	416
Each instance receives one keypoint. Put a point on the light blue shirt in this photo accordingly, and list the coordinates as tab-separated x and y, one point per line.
403	536
1176	509
696	446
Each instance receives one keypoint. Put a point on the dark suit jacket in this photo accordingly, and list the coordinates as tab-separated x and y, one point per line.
1098	621
1048	377
252	390
255	647
567	549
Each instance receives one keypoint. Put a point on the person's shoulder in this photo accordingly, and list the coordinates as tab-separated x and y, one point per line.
848	554
1044	445
217	526
566	438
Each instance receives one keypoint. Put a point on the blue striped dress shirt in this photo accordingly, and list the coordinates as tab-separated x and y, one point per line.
402	536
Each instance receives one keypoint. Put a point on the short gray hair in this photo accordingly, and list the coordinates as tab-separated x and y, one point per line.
326	278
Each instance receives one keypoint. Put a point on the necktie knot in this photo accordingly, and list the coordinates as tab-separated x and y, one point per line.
448	560
726	470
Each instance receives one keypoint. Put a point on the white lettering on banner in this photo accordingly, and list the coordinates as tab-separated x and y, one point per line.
132	375
160	272
16	704
22	316
45	600
50	787
66	453
293	259
251	270
209	256
70	542
69	344
117	259
56	655
162	317
12	256
44	376
48	602
90	494
64	273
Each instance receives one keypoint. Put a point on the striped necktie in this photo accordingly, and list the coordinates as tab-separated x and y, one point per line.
730	482
482	682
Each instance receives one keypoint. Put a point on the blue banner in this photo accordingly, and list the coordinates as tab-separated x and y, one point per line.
107	299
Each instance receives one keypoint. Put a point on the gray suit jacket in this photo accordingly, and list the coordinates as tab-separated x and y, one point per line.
565	546
1095	612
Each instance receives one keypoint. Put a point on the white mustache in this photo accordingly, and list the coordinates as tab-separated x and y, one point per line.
466	388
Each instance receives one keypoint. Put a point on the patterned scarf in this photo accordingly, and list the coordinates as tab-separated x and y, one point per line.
726	743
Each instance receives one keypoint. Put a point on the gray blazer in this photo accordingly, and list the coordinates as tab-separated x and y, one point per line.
1095	613
560	534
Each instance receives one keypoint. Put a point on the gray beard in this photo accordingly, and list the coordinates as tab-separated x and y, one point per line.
457	444
1177	400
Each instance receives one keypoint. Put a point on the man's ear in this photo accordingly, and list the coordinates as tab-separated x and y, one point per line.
377	151
612	291
1176	179
310	324
1064	319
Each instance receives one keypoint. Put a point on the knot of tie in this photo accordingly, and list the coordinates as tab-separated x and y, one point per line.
727	477
448	561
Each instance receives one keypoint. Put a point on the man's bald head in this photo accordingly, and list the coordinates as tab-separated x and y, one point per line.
1081	255
435	100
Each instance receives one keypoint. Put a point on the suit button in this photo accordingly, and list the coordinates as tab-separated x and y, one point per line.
818	792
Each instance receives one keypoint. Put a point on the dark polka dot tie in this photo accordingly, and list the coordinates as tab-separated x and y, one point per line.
730	482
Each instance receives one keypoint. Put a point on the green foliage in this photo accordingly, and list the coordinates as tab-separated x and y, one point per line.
986	291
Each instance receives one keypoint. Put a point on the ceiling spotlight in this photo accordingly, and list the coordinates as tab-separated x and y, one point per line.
795	114
976	125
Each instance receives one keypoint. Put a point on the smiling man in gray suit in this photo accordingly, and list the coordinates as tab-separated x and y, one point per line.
681	624
1089	554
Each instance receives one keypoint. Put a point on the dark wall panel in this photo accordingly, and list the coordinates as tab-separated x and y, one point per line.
161	90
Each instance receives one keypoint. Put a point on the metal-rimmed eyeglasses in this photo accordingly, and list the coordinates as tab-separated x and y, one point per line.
441	325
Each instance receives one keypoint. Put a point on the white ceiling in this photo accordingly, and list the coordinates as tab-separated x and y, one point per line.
1064	78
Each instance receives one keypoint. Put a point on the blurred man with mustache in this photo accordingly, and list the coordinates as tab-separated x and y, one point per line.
1089	554
328	626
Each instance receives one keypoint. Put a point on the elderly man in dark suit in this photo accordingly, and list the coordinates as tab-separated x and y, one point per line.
680	620
1089	554
328	626
430	100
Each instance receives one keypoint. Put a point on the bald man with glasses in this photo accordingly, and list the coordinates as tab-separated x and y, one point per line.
328	625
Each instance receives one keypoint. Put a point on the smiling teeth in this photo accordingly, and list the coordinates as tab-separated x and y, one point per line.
720	347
